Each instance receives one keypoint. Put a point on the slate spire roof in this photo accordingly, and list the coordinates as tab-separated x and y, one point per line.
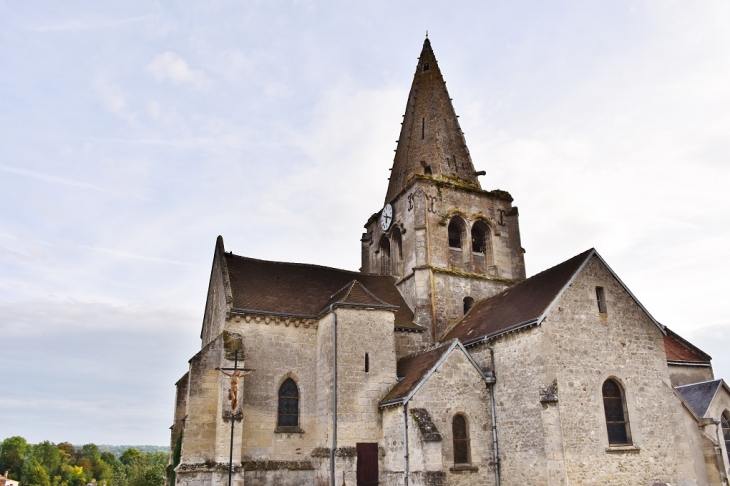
430	136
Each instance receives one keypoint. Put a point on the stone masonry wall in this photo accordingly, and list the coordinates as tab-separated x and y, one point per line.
583	348
358	391
519	414
685	375
216	306
455	387
277	349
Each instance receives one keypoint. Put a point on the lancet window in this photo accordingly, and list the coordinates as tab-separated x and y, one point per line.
460	431
288	404
617	416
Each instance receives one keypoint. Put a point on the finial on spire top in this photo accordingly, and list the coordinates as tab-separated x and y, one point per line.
426	33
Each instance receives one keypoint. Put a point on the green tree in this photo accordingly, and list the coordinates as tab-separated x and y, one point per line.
13	452
68	452
129	456
48	456
74	475
34	474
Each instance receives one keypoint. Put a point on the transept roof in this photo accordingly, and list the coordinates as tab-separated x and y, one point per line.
308	290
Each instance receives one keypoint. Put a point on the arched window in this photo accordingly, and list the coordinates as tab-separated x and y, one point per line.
288	404
385	255
617	416
396	252
456	233
481	246
461	439
468	304
726	432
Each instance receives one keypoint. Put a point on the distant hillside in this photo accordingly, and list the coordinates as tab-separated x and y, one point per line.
117	450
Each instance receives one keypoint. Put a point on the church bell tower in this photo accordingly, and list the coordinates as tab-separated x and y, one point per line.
445	240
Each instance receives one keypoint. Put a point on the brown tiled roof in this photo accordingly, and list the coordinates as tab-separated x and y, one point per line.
678	349
354	293
307	290
524	303
699	396
413	369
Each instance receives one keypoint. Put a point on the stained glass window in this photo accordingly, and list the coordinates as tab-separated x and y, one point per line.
288	404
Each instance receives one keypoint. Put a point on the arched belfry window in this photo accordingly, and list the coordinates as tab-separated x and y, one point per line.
288	404
456	233
396	252
617	416
460	430
726	432
481	242
385	256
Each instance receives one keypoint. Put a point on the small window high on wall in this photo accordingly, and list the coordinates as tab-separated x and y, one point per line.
601	298
617	416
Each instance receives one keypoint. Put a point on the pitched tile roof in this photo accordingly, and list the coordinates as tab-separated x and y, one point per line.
522	304
307	290
699	395
414	369
680	350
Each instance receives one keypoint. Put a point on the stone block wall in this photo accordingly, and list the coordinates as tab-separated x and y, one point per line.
277	349
684	375
519	370
455	387
582	348
217	302
359	332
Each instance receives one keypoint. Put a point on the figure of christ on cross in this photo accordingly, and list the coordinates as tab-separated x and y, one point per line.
237	374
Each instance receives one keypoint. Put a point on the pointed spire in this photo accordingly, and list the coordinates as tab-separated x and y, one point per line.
431	141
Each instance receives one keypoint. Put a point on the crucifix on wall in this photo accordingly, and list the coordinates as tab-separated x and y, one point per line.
235	375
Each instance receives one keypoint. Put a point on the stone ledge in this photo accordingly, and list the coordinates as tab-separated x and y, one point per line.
277	465
282	429
628	449
463	467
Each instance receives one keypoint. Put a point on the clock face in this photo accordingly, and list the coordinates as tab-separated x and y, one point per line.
386	217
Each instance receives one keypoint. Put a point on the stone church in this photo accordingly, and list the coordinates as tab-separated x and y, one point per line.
439	362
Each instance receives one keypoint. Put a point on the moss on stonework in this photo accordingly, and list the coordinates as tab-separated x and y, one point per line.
500	194
346	452
277	465
232	342
463	273
513	211
320	452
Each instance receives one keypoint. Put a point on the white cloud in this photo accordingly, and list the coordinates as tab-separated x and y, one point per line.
113	100
168	66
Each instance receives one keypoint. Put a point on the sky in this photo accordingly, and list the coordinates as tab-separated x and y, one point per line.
132	133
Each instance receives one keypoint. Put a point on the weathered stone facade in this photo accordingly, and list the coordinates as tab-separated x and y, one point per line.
439	363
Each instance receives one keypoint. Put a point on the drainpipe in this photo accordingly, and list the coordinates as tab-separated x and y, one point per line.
405	444
490	384
334	395
720	459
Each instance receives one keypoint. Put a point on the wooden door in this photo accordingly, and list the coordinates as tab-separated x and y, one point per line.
367	464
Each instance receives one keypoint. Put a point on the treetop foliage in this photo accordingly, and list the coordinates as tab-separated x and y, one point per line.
63	464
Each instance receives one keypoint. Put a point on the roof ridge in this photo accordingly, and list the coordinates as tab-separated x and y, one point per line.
312	265
699	383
